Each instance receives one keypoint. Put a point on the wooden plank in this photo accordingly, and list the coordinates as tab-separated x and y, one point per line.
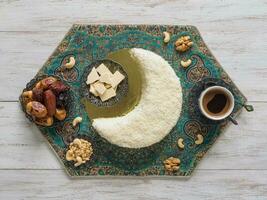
208	185
239	147
27	15
23	54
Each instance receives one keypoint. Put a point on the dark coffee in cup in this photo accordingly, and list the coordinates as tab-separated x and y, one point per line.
216	102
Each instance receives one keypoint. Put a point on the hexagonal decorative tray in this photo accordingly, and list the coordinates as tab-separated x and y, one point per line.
90	44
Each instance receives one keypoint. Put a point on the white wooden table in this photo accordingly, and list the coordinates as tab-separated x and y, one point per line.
236	32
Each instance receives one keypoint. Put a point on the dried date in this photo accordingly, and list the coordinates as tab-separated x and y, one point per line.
58	87
36	109
50	102
37	94
45	83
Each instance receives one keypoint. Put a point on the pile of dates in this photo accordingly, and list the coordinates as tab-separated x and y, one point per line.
46	100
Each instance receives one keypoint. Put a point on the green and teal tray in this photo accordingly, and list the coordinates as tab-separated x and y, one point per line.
89	43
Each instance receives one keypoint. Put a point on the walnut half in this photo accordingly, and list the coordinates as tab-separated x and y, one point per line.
183	43
172	164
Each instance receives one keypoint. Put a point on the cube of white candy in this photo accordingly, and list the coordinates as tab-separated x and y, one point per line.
99	87
93	90
109	93
106	78
116	79
92	77
102	69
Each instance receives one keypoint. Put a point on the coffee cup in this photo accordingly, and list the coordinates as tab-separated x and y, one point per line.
217	103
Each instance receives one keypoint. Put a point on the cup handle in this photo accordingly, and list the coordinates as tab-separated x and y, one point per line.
248	108
233	120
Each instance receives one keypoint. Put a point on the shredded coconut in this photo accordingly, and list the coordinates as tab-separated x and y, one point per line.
157	111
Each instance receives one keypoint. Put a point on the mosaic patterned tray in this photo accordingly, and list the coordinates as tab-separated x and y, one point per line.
90	43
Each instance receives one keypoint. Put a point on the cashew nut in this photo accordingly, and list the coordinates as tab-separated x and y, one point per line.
27	94
180	143
199	139
47	121
76	121
71	63
69	155
38	85
186	63
167	36
79	161
60	114
77	141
